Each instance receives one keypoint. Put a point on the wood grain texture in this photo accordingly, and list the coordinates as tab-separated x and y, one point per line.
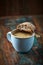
21	7
39	28
8	56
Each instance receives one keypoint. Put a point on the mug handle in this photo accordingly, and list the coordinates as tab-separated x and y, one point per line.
9	36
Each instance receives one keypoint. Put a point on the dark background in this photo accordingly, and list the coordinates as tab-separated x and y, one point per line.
21	7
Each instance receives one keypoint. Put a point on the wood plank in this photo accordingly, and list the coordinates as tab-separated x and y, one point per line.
38	28
10	56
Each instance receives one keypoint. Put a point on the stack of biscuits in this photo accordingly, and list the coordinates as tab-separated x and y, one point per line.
26	26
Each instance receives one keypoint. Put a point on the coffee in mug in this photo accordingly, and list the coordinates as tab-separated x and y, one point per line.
22	34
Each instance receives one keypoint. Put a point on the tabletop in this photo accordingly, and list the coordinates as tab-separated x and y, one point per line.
8	55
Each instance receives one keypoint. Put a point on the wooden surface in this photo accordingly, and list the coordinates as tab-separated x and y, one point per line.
39	27
8	55
21	7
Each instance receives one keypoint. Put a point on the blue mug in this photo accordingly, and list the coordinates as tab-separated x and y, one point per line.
20	44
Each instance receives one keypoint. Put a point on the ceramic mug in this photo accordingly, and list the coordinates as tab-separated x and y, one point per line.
21	44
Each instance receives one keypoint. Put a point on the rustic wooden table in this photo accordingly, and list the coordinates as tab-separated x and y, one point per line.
8	55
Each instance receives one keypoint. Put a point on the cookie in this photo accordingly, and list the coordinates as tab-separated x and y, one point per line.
26	26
